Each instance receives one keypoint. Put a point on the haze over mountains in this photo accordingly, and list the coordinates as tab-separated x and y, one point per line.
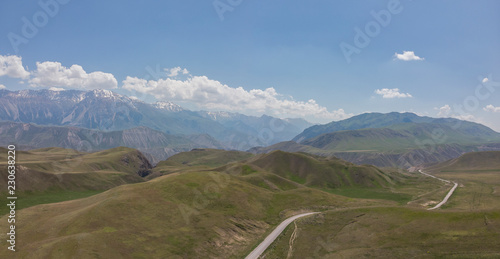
392	139
107	111
100	119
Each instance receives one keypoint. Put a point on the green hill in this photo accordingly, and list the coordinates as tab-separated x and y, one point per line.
202	210
188	215
474	161
328	173
56	174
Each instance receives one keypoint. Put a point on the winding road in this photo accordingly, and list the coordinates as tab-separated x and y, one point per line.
276	232
447	195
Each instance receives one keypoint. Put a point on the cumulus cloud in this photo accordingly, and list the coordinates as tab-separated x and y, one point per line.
407	56
56	89
173	72
2	86
491	108
444	111
12	66
392	93
53	74
214	95
447	112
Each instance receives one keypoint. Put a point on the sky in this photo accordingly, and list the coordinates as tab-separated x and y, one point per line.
319	60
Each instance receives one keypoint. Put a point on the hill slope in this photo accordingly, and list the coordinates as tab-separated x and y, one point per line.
320	172
51	169
190	215
474	161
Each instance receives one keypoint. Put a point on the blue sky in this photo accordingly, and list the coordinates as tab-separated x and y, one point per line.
285	55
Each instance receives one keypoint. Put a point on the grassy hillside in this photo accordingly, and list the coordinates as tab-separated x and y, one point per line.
391	233
467	226
280	170
56	174
205	210
207	157
198	159
478	175
189	215
319	171
474	161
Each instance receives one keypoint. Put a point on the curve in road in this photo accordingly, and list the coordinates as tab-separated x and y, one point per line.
447	195
276	232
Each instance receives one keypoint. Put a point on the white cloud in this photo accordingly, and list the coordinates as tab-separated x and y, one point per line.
213	95
485	80
173	72
56	89
392	93
53	74
2	86
407	56
444	111
12	66
491	108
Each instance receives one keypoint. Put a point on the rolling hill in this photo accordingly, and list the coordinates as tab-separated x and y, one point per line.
188	215
218	204
474	161
51	169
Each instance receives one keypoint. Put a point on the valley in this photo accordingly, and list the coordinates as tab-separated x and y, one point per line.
101	175
216	203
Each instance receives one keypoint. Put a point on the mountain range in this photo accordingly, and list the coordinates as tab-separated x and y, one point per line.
108	111
100	119
392	139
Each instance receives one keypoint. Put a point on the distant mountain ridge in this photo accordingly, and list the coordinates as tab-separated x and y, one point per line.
275	130
369	120
108	111
155	145
392	139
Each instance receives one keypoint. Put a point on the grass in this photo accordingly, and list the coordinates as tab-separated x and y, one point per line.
189	215
393	233
369	193
27	200
204	210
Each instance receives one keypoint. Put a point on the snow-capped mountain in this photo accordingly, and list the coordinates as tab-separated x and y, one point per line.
168	106
108	111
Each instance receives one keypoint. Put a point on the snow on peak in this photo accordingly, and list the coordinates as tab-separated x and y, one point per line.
103	93
169	106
